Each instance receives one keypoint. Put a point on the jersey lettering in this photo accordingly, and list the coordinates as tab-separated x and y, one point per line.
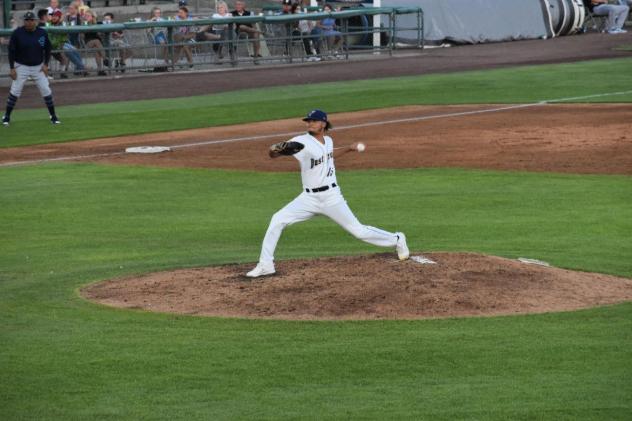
316	162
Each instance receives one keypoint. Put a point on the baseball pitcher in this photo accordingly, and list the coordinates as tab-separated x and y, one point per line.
321	194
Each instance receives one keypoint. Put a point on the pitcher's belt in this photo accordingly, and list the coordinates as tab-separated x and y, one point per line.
319	189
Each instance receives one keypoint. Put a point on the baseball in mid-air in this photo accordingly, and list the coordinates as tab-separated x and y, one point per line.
360	147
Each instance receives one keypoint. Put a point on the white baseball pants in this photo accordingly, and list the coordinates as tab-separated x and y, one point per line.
329	203
23	73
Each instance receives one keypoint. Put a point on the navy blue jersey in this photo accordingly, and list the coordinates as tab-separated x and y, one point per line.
29	48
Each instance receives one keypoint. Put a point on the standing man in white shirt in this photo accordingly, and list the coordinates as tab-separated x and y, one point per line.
321	195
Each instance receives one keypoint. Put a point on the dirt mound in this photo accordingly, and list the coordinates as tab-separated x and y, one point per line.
367	287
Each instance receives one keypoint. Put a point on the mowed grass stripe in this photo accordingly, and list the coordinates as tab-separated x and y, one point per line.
513	85
64	358
208	217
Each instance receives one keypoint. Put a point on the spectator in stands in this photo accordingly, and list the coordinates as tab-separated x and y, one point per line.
117	40
327	28
205	33
73	19
286	7
159	36
625	3
81	7
59	42
43	16
247	28
94	42
311	39
303	29
221	11
617	14
183	36
53	5
289	8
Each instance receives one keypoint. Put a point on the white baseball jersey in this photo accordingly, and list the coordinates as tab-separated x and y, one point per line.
317	171
316	160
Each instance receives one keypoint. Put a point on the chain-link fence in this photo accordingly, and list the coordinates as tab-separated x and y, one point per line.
171	45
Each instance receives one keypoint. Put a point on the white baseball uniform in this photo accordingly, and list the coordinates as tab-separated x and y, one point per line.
25	72
321	196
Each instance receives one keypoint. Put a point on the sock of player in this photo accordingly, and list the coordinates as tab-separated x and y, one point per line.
10	104
51	106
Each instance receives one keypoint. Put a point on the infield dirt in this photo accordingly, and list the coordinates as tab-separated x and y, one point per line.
569	138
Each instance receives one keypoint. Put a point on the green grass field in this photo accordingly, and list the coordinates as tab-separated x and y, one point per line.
514	85
63	226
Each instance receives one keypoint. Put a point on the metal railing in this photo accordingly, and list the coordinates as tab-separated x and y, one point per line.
199	44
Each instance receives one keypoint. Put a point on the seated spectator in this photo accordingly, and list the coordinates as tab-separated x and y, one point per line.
182	36
221	30
294	28
247	28
159	36
117	40
81	7
94	42
73	19
327	28
311	39
44	17
59	42
286	7
205	33
53	5
617	14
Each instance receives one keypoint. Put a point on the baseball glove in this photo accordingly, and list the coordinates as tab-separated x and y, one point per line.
285	148
277	148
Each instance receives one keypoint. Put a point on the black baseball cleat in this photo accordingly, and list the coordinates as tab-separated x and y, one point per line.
5	120
54	120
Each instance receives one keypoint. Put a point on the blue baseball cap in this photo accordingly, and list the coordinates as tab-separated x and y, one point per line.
318	115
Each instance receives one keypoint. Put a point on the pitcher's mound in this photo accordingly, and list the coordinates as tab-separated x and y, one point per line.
367	287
